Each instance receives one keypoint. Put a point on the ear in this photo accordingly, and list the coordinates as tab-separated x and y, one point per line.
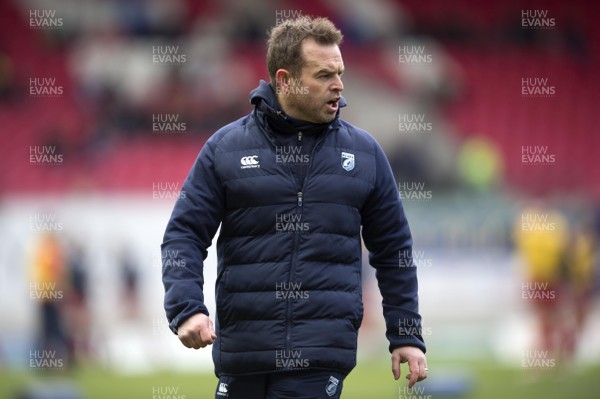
282	79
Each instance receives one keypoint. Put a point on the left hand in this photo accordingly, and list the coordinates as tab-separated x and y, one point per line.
417	363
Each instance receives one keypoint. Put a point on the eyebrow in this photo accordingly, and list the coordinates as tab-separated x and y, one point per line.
328	69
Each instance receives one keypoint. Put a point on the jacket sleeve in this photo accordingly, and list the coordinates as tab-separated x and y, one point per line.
388	239
191	228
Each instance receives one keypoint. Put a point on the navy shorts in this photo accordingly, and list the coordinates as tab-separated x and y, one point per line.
305	384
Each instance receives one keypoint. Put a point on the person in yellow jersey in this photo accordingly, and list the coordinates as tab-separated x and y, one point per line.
541	238
47	288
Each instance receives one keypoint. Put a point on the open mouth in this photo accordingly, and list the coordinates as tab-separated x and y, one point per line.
333	104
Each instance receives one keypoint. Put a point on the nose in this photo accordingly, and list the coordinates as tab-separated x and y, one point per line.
338	85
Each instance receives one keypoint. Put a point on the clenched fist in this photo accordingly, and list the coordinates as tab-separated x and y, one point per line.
197	331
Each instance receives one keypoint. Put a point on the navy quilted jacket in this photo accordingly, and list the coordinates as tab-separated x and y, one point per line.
288	287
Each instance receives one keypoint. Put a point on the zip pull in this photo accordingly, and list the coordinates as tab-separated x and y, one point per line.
299	136
299	198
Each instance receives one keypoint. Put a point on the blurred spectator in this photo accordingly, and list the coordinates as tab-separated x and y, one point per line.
559	261
541	238
480	163
129	275
47	287
77	302
581	276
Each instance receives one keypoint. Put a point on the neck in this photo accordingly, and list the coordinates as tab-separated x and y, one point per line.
288	110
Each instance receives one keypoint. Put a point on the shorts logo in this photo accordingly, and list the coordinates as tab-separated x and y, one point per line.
250	161
333	382
347	161
223	389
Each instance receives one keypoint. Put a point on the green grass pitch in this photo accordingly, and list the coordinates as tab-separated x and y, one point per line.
369	380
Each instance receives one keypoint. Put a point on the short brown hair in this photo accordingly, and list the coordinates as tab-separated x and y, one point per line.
284	47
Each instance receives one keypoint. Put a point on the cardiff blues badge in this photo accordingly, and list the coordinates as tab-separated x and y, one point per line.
333	382
347	161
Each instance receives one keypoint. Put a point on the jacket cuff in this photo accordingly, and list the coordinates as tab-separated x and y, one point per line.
406	332
183	316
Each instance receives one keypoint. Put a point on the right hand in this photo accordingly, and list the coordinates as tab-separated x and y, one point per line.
197	331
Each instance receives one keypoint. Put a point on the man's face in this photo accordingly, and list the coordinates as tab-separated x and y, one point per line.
314	96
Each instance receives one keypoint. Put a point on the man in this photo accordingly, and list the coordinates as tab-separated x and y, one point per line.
291	185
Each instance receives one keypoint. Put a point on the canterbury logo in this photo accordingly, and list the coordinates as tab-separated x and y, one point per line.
223	389
250	162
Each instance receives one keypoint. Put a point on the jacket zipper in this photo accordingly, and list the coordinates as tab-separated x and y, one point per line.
299	203
291	273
